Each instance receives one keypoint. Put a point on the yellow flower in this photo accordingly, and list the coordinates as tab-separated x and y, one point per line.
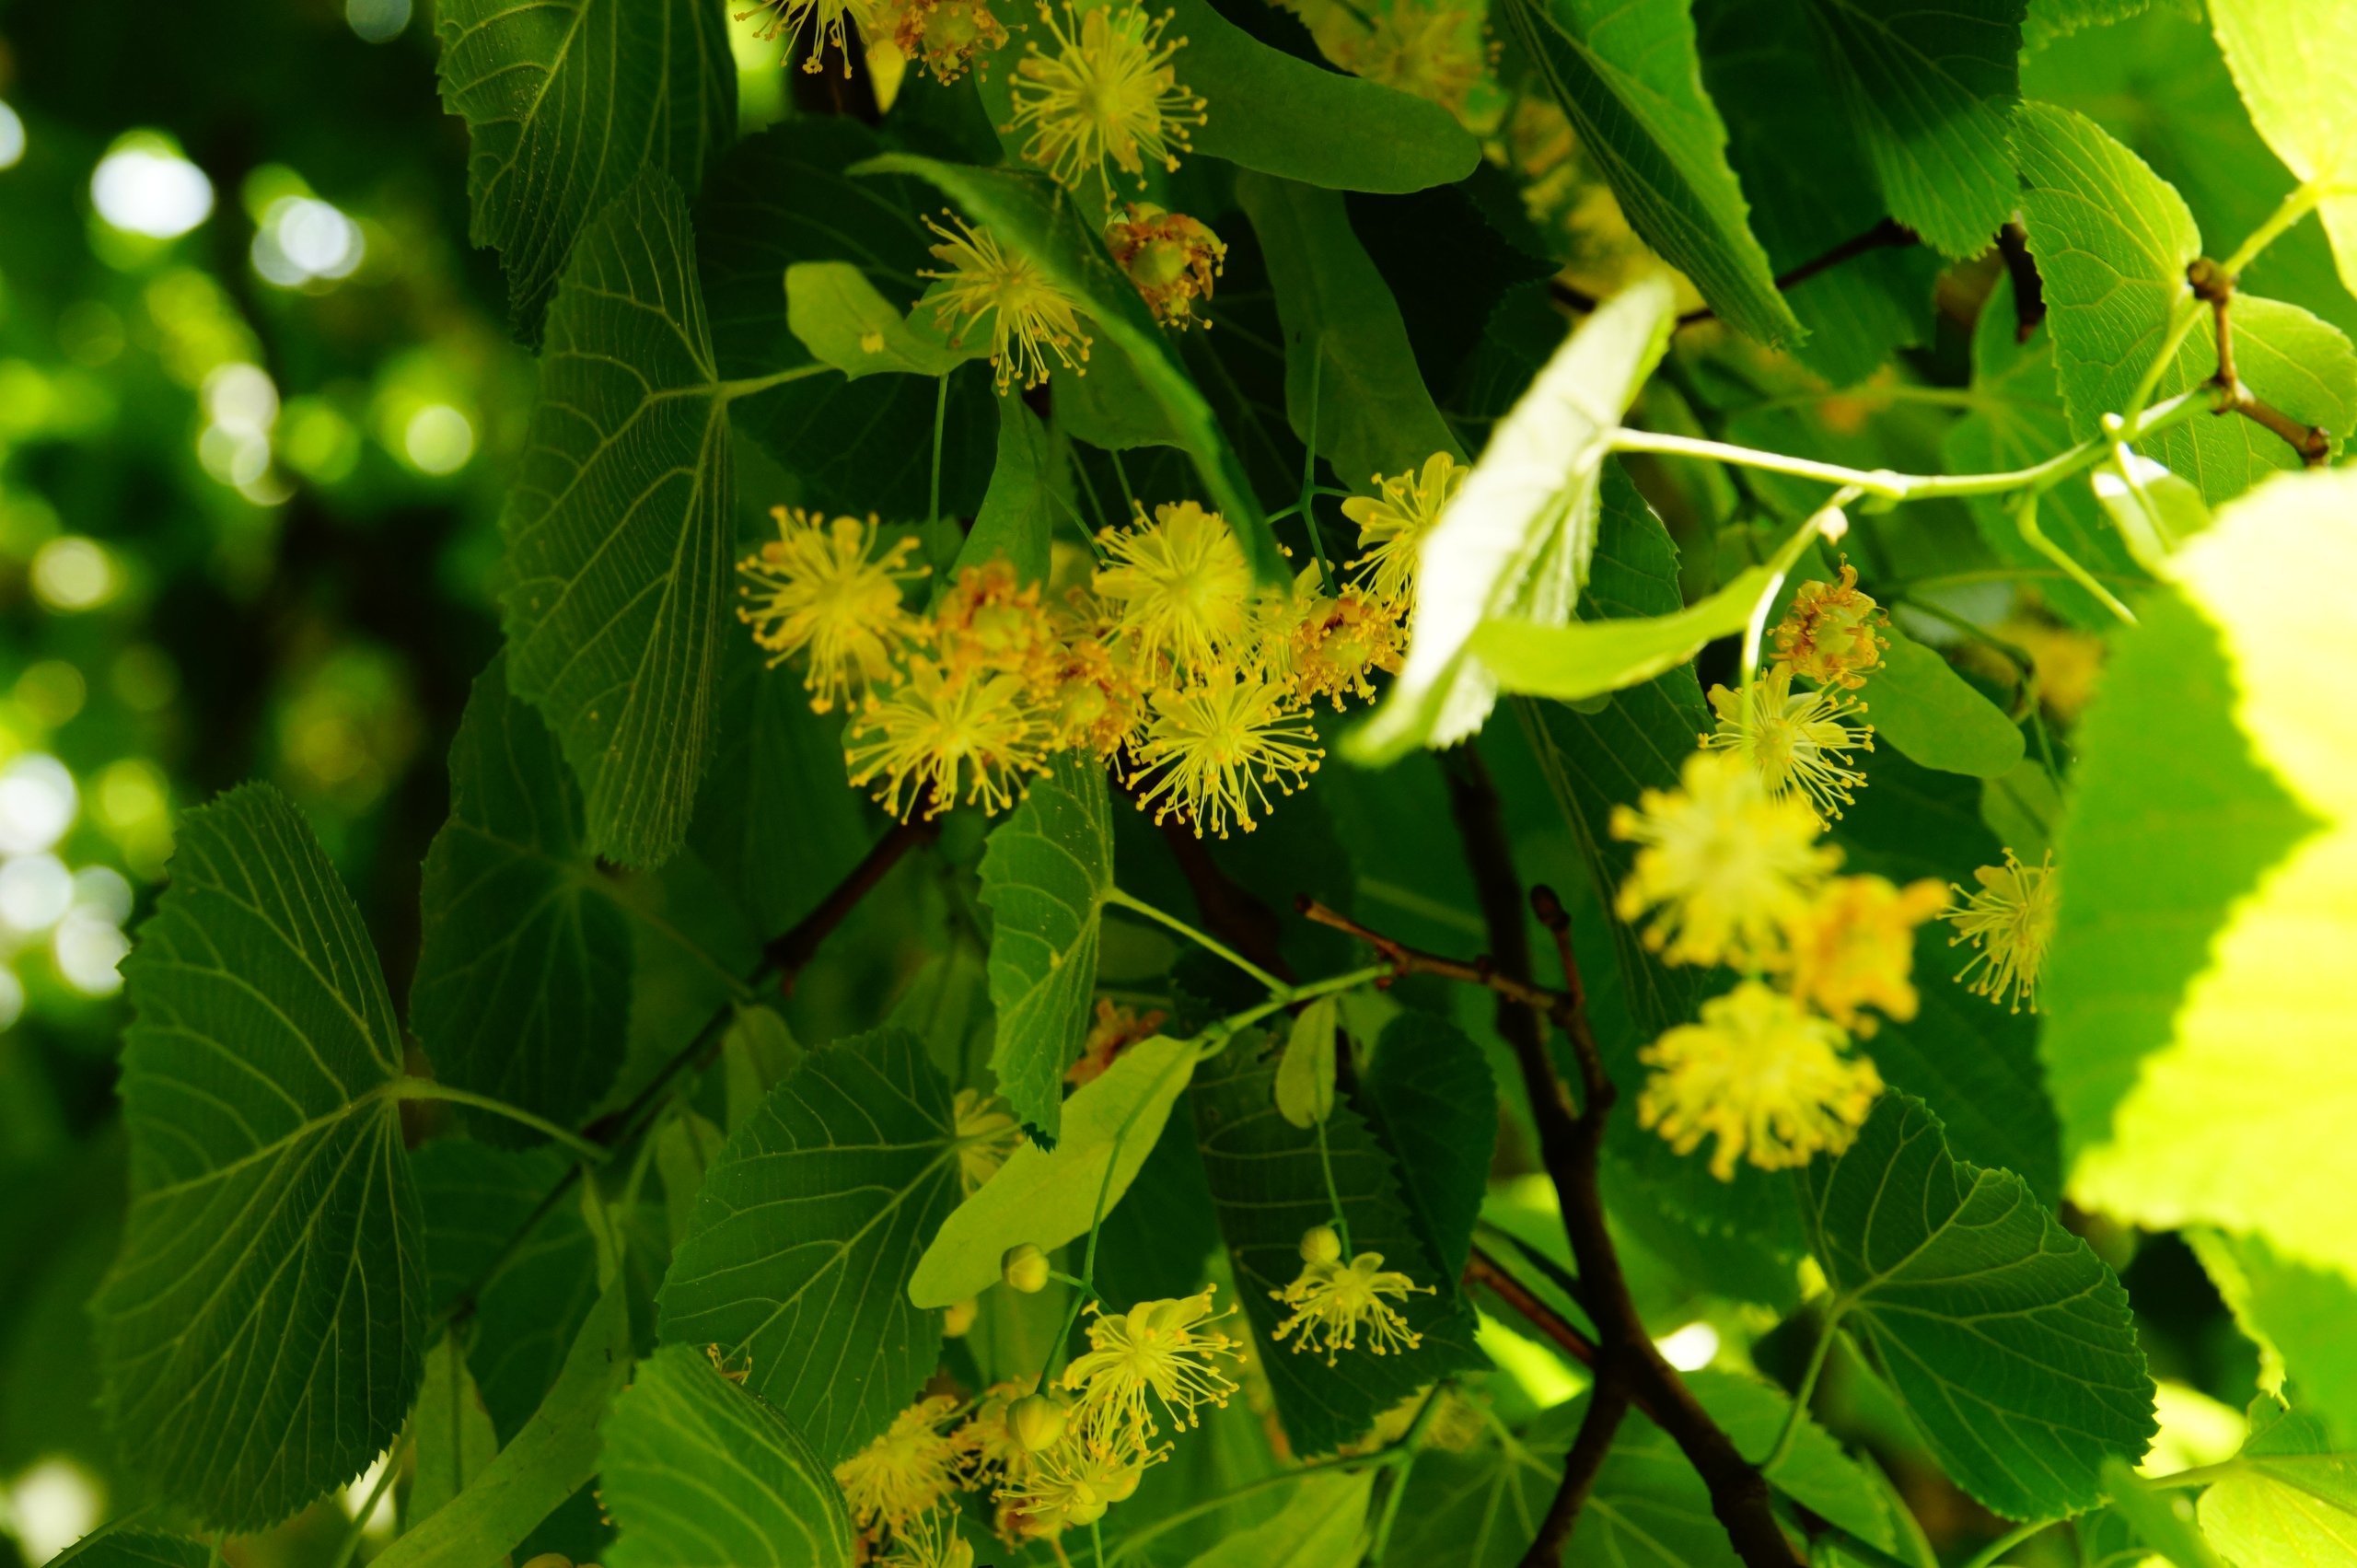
1798	741
929	1540
1335	1300
1179	586
988	1446
1725	865
1394	522
1071	1484
1108	94
1770	1080
2068	664
1433	51
1830	632
988	623
1854	947
986	1136
817	588
904	1472
1029	317
824	19
2011	921
1098	697
1337	641
1217	744
933	734
1171	259
944	36
1160	1348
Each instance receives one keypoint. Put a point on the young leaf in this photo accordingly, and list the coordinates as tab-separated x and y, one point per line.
1589	658
700	1474
565	104
840	318
2196	1024
1928	88
2288	57
1306	1071
1920	704
1346	347
2112	241
1016	522
1296	121
260	1333
453	1434
1045	877
2290	1497
1516	540
798	1253
618	525
1428	1094
1030	215
1319	1526
554	1456
2008	1340
523	980
1269	1187
1046	1198
1628	79
2153	509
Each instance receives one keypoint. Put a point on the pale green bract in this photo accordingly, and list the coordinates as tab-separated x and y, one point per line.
1588	658
260	1333
839	316
1920	704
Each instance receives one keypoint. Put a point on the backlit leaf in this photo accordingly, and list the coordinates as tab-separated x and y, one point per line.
2287	56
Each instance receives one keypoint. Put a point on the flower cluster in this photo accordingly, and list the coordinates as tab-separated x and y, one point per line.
1730	869
1162	656
1108	94
1333	1301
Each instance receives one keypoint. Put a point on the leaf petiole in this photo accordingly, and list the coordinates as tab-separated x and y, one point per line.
1120	899
427	1088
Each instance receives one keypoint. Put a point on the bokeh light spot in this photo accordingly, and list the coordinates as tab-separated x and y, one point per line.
35	892
145	186
73	573
12	137
38	801
439	439
377	21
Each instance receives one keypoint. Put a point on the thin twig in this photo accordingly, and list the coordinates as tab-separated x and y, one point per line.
2216	287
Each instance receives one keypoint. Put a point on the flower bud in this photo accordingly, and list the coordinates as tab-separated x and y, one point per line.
1036	1420
1024	1267
1122	1485
1085	1508
959	1317
1321	1245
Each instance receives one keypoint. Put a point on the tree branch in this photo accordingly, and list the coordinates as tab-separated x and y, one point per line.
2215	286
1629	1367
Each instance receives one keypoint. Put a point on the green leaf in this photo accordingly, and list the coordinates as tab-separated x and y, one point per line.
1516	538
618	525
554	1456
2287	57
1628	79
2294	1313
1321	1525
783	198
120	1546
453	1434
1046	875
1306	1072
1919	703
756	1054
2112	241
1269	1188
700	1474
2196	1020
1278	115
565	104
1015	522
2008	1340
1429	1095
1046	1198
1350	376
840	318
523	980
1589	658
798	1254
1929	88
535	1280
2153	510
1030	214
2290	1499
260	1332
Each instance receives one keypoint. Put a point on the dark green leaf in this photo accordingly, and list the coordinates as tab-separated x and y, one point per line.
1045	879
799	1252
1283	116
1629	79
618	525
2008	1340
1920	704
260	1333
523	981
565	104
1322	1526
1349	374
1429	1095
119	1546
451	1430
700	1474
1269	1188
1016	521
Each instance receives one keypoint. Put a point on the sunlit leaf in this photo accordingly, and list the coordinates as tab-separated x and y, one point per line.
1588	658
262	1331
1320	1526
1919	703
2287	56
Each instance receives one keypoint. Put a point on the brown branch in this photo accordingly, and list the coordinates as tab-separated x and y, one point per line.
1229	910
789	954
1889	234
2029	289
1607	1403
2215	286
1487	1272
1629	1367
